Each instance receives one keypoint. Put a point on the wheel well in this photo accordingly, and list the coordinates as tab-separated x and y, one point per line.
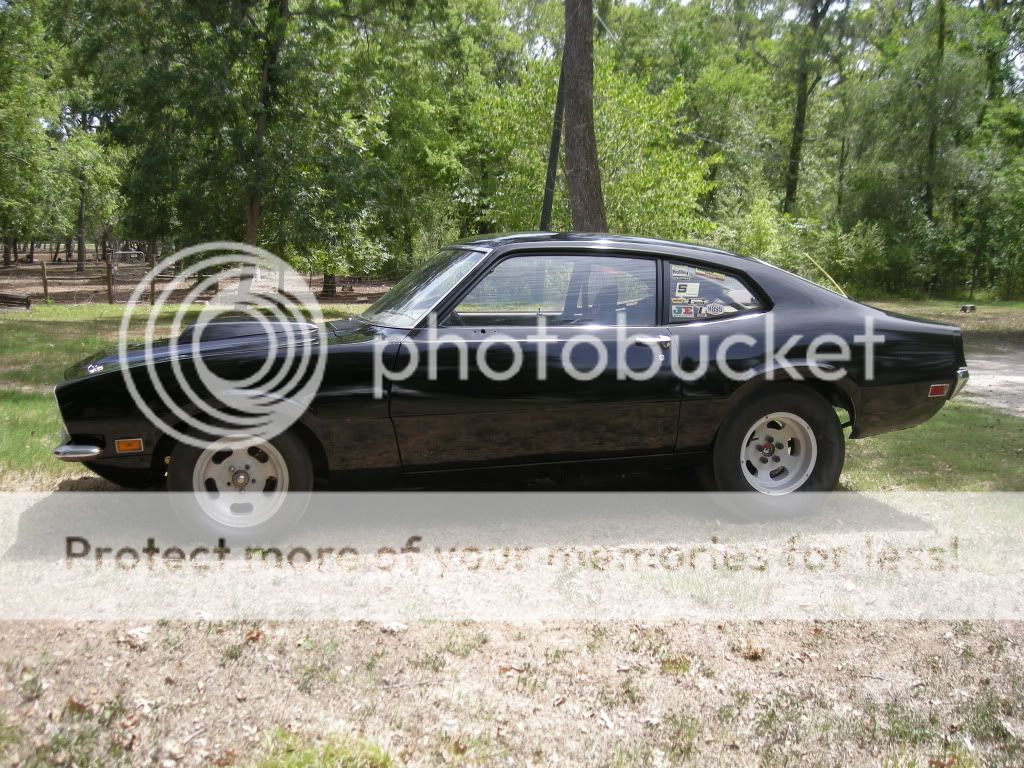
317	455
830	390
835	395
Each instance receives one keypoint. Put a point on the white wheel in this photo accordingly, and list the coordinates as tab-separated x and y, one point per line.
240	481
240	485
779	453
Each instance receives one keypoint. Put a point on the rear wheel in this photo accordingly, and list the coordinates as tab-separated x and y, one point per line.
241	485
786	438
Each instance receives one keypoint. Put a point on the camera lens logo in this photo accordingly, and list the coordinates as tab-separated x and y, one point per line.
248	363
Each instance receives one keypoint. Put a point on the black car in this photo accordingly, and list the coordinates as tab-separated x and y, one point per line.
535	349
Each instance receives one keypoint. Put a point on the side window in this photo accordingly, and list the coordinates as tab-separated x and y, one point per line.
566	289
703	293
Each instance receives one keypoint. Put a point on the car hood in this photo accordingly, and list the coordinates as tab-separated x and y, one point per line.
221	336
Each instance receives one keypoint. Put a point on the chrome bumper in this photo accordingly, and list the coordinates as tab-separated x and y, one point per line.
69	452
962	375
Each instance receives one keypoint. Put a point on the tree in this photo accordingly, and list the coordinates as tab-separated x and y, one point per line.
808	39
582	172
29	156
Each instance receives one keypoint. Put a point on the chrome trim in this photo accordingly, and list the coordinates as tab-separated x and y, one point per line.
70	452
962	375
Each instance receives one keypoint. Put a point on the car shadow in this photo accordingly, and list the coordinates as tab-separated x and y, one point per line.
593	511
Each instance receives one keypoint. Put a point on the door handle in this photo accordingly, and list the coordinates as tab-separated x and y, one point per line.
661	341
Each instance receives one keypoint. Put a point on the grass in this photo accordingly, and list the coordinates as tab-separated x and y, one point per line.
462	644
317	666
10	735
675	665
966	447
290	751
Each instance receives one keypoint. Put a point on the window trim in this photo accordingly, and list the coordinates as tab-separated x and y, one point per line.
457	296
748	282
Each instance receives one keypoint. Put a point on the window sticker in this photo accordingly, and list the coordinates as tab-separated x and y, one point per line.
682	311
713	309
679	300
680	272
687	290
698	302
709	273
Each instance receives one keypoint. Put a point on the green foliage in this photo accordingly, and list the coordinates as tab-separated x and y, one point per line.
28	183
358	137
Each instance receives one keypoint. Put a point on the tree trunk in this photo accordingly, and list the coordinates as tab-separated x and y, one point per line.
804	86
797	140
68	249
844	152
7	252
31	251
330	286
81	226
553	149
582	173
277	22
933	129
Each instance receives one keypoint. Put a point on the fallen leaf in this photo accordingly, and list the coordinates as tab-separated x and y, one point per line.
254	635
75	707
174	750
124	742
559	701
135	638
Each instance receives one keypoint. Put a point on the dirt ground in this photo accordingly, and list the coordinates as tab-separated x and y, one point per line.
997	378
777	693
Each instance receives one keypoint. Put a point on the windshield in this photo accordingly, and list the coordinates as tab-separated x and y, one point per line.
420	291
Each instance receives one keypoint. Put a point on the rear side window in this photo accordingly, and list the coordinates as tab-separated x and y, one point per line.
703	293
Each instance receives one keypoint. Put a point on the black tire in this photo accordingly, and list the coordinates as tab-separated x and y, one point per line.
801	401
187	498
134	478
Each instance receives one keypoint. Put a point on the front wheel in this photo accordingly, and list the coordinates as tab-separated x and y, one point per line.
786	438
241	486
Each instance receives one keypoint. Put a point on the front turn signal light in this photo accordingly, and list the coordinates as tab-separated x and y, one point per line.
128	445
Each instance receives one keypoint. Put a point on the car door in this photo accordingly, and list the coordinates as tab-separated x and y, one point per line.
540	359
706	308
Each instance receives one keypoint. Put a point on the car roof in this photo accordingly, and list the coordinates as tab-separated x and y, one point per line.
777	281
600	242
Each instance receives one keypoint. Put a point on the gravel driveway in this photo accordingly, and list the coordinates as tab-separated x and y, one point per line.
997	378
